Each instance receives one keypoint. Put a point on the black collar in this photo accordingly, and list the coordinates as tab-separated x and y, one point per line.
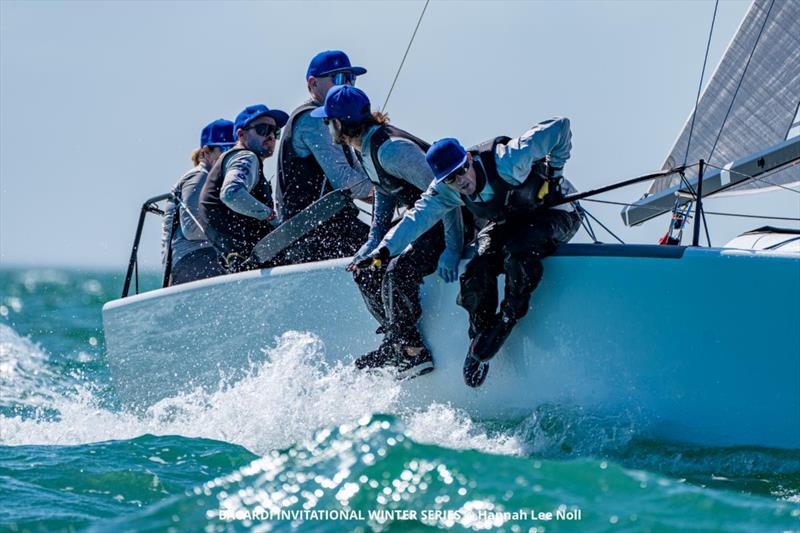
480	177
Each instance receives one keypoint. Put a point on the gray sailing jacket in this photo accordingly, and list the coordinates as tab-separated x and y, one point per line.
188	237
405	160
551	140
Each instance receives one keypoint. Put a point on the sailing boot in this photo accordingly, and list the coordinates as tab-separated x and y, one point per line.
413	364
486	343
385	355
475	371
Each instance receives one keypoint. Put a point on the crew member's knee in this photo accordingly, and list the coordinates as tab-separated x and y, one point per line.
402	271
366	279
523	274
478	266
523	270
475	282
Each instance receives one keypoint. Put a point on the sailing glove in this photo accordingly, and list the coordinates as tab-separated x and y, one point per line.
364	251
448	266
375	260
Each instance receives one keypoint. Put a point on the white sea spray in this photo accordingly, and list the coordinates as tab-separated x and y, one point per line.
282	400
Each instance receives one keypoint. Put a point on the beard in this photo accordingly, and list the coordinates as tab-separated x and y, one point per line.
262	151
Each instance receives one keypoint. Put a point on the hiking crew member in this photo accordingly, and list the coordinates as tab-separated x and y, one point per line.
395	163
510	183
236	201
192	256
310	165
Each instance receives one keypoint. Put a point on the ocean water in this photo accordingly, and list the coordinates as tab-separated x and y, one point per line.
299	445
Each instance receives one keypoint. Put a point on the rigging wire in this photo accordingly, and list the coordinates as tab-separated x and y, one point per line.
587	225
699	206
700	85
587	213
793	123
402	62
743	215
796	191
741	79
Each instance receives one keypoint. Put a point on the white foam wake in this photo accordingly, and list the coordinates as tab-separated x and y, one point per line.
281	401
284	400
27	379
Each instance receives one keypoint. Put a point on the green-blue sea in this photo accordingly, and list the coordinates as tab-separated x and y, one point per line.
72	458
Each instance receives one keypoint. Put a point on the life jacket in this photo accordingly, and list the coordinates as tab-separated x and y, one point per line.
300	180
188	190
406	193
510	202
228	230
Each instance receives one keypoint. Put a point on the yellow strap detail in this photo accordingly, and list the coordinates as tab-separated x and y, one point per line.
543	190
229	257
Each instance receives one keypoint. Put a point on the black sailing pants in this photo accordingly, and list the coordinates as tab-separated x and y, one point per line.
200	264
392	292
516	249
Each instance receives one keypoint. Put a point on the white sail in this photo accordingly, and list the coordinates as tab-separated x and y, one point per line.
751	101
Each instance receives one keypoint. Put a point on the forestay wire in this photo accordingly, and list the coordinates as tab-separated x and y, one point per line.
402	62
700	85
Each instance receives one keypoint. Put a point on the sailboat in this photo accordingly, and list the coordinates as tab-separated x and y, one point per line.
694	344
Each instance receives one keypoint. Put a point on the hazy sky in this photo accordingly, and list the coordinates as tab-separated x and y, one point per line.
101	103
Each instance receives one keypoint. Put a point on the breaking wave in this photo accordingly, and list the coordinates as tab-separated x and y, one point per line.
295	392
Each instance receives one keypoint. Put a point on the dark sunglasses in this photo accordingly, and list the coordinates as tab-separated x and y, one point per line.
340	78
457	173
265	130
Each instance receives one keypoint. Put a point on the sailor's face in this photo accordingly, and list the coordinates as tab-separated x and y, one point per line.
464	183
212	154
262	145
325	83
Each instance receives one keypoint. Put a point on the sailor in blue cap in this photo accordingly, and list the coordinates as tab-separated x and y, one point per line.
311	165
236	201
516	185
184	244
395	163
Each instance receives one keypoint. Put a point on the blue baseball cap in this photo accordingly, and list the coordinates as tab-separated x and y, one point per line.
444	156
347	103
252	112
218	133
329	61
